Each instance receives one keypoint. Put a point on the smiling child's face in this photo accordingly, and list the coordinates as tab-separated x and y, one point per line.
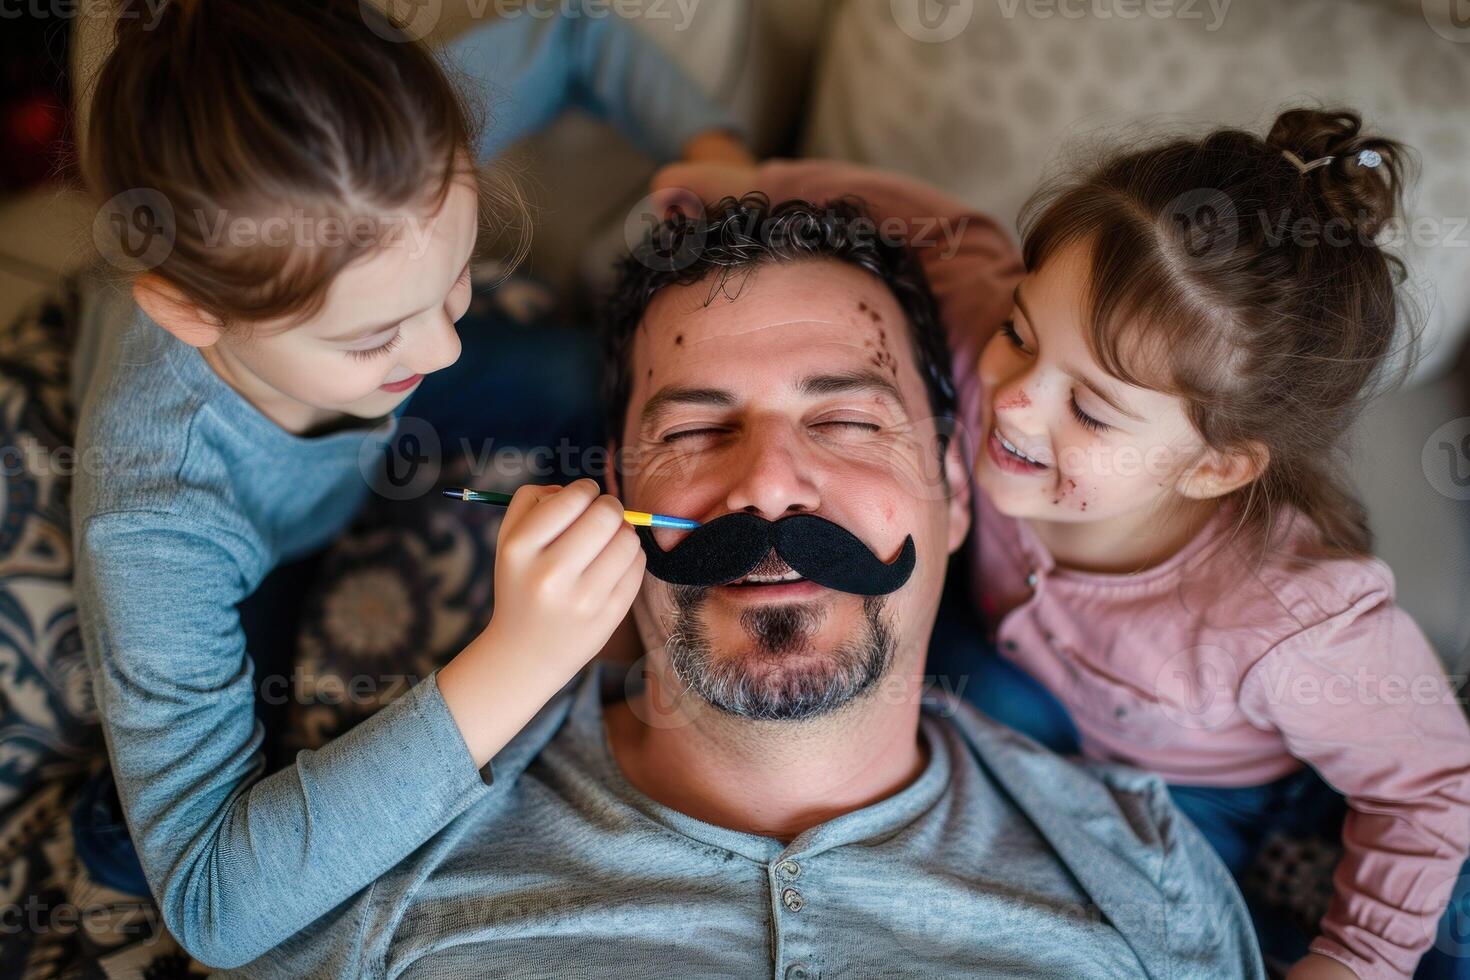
1098	448
387	321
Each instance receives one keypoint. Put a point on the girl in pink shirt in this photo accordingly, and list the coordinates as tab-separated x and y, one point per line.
1155	392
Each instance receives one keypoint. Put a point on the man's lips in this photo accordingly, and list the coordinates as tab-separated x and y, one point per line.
405	384
772	579
782	592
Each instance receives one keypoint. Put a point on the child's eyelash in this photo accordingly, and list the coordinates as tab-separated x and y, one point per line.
1008	327
388	348
1088	422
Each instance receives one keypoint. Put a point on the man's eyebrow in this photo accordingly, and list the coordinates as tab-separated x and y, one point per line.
671	395
851	381
1079	378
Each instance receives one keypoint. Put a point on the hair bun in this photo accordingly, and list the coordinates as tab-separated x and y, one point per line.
1362	184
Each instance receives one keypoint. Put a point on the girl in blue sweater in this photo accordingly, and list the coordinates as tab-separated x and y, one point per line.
295	192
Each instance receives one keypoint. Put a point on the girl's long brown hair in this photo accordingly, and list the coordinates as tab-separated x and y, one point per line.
319	109
1224	274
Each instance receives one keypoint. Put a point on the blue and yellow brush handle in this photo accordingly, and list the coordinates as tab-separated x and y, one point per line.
637	518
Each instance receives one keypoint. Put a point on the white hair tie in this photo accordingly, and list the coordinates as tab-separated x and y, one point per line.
1366	158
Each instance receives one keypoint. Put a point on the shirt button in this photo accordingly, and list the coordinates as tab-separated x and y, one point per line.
789	868
1031	580
791	898
798	971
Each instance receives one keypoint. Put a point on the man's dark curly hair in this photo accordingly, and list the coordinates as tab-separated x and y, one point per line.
734	237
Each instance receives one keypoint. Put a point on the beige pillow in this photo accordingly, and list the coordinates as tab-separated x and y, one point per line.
983	96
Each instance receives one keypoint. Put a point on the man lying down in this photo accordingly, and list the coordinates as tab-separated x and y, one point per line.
775	797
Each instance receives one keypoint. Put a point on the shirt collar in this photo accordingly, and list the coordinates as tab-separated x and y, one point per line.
589	738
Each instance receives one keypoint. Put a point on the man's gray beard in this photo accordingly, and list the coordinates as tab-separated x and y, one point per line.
773	691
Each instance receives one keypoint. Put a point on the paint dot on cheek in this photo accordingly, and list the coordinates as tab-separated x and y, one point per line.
1082	497
1068	490
1019	400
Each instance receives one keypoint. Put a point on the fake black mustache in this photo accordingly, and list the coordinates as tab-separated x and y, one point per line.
730	547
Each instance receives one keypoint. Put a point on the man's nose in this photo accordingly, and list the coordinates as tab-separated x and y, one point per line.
776	474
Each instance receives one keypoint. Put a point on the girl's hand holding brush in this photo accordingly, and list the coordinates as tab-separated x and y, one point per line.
567	568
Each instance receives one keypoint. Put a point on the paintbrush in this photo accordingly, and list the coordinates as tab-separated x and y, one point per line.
637	518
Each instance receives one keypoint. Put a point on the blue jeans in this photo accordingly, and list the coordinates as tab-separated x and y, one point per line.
1235	820
524	385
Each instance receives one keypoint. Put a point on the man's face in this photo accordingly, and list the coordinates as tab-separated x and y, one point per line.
798	396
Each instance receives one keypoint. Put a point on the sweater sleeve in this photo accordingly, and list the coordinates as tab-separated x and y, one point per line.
1363	699
970	261
527	68
237	862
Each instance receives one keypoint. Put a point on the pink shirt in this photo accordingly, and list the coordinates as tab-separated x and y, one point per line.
1212	668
